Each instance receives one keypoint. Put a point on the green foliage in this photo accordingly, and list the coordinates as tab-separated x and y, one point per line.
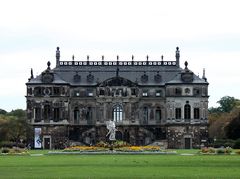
14	127
18	113
232	129
2	111
220	151
223	143
213	110
227	103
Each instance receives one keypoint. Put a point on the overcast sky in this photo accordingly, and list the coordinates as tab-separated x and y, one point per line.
206	31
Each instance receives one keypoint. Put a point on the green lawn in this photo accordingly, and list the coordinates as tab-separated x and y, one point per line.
120	166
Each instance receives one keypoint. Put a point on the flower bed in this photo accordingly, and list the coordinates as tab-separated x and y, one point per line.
117	149
84	148
139	148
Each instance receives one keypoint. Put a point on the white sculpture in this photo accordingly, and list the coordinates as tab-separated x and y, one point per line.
111	130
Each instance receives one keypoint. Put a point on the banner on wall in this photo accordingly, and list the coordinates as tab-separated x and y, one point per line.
37	138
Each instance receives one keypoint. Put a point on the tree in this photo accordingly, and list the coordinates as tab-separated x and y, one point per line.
227	103
233	127
18	113
213	110
2	111
14	127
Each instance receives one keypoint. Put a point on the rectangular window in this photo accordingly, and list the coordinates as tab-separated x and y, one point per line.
37	114
158	115
89	114
158	93
101	92
38	91
196	113
145	114
145	93
178	91
178	113
89	92
76	115
76	93
133	92
56	91
56	114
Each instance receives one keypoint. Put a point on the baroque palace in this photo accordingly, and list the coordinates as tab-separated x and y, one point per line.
150	102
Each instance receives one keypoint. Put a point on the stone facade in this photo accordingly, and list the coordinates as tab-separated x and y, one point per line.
150	101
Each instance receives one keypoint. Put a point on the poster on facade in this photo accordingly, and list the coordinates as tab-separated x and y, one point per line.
37	138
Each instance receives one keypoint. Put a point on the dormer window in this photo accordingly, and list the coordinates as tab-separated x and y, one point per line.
144	78
77	77
157	78
90	78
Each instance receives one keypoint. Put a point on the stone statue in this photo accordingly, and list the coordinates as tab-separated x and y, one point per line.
111	130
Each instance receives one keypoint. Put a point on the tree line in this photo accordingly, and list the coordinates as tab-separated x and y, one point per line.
224	122
14	128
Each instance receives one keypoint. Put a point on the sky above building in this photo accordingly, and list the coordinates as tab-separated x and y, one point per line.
207	33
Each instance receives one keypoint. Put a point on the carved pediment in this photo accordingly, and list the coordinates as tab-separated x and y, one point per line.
187	77
117	81
47	77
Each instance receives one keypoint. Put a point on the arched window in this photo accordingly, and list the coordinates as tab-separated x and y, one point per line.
187	111
158	114
89	114
117	113
76	115
145	114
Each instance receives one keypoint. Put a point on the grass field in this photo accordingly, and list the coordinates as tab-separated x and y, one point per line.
120	166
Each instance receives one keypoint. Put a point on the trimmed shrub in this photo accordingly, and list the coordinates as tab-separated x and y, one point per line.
220	151
223	143
7	144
